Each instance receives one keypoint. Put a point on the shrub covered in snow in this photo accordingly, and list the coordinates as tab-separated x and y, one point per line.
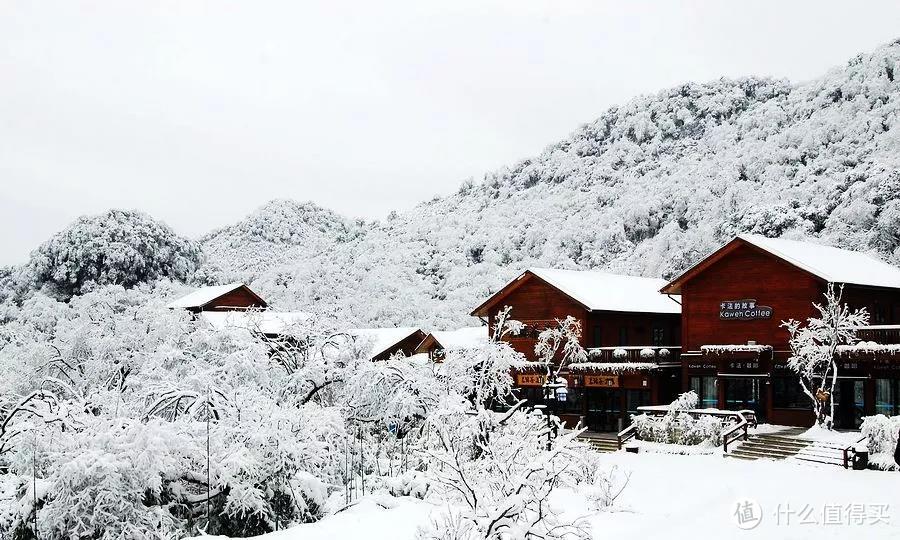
679	427
882	432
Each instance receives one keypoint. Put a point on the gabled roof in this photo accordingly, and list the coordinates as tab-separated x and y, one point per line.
385	340
462	338
830	264
264	322
596	291
204	296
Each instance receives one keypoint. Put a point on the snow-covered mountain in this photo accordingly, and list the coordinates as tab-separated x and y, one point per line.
646	189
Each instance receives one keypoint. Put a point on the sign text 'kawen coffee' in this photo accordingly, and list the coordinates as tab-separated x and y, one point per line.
743	310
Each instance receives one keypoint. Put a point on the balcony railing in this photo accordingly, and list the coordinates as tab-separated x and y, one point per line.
885	334
635	353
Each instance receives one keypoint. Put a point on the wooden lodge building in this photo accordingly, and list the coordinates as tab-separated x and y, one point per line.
624	319
734	348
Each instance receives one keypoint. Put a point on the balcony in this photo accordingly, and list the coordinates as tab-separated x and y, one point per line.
638	353
885	334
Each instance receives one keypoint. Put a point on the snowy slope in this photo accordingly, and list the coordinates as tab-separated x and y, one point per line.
646	189
680	498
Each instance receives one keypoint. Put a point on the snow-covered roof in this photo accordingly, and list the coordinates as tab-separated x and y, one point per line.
266	322
462	338
383	339
610	292
830	263
204	295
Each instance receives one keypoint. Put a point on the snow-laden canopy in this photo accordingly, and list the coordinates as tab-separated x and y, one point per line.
612	367
264	322
832	264
204	295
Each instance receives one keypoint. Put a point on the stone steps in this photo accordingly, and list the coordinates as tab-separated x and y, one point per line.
601	444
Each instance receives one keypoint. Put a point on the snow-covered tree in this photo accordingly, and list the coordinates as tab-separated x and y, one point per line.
814	350
119	247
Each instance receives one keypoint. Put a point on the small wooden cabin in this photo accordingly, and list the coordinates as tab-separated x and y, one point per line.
386	342
437	343
230	297
735	349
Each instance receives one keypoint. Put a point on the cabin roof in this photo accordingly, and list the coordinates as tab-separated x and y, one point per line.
384	339
830	264
462	338
598	291
206	295
264	322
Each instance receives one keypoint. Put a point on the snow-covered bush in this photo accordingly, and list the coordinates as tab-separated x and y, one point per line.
620	354
679	427
882	433
685	402
647	353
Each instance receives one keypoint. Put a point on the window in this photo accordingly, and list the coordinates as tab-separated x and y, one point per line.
886	394
705	387
598	336
573	403
787	394
659	336
635	399
623	336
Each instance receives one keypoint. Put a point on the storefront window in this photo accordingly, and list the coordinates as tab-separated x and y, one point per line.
635	399
573	403
886	397
705	387
787	394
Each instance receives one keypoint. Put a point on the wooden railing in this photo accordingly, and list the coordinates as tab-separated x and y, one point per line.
744	420
625	435
883	334
851	448
740	428
633	354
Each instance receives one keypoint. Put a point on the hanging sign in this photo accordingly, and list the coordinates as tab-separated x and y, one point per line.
743	310
601	381
529	379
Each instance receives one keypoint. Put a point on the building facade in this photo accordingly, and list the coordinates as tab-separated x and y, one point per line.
631	332
735	347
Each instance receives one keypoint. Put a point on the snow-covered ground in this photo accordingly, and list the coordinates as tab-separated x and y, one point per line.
681	497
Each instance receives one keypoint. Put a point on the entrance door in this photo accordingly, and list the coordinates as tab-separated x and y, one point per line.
849	403
604	409
744	393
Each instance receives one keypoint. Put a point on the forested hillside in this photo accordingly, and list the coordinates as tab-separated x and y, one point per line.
647	189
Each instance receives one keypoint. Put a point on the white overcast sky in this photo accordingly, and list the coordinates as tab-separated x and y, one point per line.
199	112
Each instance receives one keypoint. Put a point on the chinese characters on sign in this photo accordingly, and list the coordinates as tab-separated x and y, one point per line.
605	381
529	379
743	310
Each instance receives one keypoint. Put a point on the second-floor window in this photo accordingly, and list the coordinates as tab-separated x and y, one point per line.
658	336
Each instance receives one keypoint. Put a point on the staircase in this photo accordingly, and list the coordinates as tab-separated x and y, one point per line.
769	446
786	444
600	442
